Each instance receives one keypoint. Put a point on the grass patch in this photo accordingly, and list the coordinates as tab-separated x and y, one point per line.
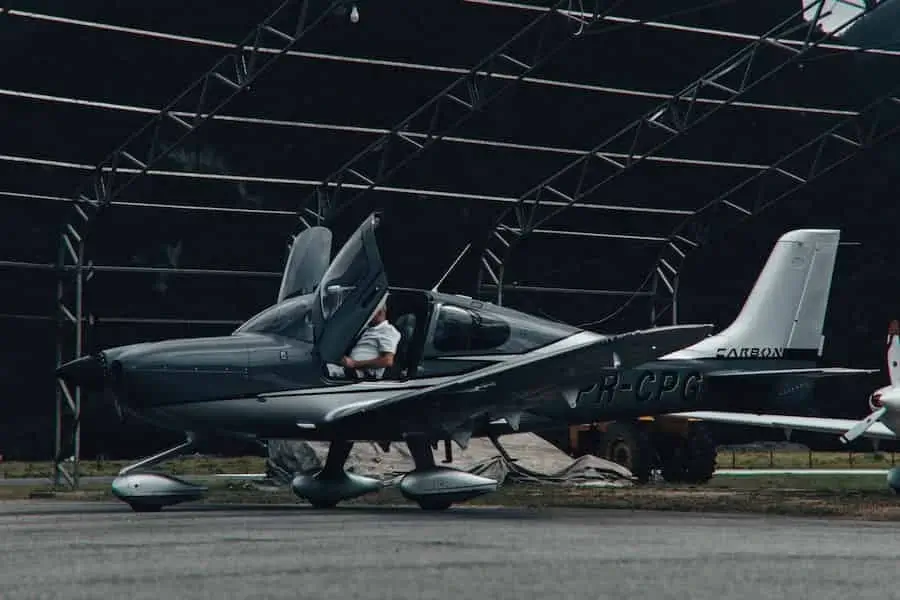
857	497
213	465
803	459
187	465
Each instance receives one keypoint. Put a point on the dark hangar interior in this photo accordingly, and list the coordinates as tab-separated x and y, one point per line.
559	136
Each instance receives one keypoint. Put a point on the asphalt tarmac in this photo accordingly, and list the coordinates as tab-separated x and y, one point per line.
57	549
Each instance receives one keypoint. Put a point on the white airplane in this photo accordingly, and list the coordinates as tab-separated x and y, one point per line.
883	423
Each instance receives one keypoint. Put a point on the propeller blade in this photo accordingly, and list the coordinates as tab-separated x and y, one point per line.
863	426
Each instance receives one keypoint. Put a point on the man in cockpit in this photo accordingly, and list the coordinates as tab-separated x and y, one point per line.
374	351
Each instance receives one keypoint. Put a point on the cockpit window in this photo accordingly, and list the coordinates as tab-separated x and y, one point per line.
291	319
462	330
491	330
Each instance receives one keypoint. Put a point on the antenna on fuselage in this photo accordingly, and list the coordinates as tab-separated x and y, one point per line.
452	266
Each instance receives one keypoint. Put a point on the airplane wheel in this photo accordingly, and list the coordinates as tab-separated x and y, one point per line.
690	459
434	504
142	508
323	505
671	450
628	445
700	455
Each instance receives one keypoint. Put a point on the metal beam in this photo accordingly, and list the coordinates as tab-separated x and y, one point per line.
291	21
708	31
527	50
163	321
634	237
876	123
94	320
230	76
645	136
381	131
358	186
398	64
91	268
564	290
158	205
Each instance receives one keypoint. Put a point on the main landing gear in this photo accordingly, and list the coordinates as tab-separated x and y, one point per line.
432	487
149	492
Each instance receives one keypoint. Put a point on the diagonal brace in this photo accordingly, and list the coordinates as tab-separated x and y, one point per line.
817	157
525	52
668	121
205	97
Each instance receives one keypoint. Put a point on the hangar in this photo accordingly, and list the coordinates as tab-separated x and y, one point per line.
607	163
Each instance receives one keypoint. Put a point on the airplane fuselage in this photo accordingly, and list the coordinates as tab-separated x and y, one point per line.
215	384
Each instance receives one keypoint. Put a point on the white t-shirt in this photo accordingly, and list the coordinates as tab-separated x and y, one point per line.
376	339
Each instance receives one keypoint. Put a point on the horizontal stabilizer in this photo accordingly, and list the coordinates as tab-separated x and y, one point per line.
812	373
789	422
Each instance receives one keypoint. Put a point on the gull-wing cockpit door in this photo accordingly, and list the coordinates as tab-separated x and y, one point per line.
351	289
307	262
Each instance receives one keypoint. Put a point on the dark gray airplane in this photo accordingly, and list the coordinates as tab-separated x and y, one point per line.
463	368
460	364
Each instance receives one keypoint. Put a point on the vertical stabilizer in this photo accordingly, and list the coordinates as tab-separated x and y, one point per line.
784	314
307	261
893	352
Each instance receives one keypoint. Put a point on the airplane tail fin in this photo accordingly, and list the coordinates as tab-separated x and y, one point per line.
893	352
784	314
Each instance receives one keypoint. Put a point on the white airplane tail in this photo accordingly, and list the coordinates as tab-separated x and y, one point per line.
784	314
893	352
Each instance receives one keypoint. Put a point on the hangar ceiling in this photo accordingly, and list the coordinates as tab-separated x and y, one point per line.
154	157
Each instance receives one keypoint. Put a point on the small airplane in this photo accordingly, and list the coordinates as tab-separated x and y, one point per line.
461	367
883	423
460	364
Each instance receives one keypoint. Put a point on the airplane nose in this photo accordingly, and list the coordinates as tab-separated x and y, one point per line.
88	371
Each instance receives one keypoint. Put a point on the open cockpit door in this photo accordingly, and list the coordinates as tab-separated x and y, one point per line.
351	289
307	262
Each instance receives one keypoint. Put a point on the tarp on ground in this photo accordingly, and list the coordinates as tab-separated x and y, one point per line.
546	464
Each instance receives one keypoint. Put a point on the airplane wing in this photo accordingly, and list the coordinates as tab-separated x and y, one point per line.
812	373
817	424
512	386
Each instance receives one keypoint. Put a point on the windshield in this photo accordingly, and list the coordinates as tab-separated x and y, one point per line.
290	319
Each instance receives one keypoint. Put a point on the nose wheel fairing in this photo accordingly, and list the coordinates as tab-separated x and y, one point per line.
150	491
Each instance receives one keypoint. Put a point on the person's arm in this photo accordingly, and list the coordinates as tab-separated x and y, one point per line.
387	347
384	360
